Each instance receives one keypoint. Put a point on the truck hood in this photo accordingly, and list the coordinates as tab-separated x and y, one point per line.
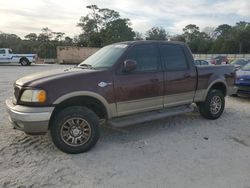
46	76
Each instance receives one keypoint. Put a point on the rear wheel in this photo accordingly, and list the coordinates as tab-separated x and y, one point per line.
213	106
24	62
75	129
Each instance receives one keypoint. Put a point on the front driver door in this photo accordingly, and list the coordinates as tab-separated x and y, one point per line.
3	56
142	89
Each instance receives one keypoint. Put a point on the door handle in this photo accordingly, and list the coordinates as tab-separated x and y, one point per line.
187	75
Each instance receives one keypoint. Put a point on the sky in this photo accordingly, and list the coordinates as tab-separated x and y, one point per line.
22	17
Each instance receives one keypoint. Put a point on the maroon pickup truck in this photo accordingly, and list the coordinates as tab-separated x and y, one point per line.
124	84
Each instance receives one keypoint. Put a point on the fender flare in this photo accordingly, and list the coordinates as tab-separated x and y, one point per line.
110	108
220	81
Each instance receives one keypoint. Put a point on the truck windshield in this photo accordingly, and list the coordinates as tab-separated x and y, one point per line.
105	57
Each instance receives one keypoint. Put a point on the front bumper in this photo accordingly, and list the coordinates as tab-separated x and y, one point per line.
32	120
243	89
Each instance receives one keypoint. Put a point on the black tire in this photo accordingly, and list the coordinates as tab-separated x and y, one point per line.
73	124
213	106
234	95
24	62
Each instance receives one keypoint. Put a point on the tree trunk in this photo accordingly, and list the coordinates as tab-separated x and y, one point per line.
240	47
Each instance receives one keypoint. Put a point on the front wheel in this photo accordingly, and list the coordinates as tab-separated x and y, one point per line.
213	106
75	129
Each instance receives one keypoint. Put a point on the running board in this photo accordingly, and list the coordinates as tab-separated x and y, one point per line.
149	116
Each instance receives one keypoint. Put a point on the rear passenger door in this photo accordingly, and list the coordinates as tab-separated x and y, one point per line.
180	75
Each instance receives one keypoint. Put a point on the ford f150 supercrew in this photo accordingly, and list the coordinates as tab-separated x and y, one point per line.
124	83
7	56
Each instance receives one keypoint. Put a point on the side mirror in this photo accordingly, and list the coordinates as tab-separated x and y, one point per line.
129	65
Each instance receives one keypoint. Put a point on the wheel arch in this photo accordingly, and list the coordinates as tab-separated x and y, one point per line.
219	85
88	99
23	58
201	95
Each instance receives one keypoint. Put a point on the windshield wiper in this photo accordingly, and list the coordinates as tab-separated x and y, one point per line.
86	66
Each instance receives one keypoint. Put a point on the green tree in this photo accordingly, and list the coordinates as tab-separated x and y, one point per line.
46	35
156	33
199	42
103	26
90	25
116	31
138	36
58	36
108	16
210	31
180	38
223	38
223	30
68	41
10	41
241	33
232	39
31	37
191	32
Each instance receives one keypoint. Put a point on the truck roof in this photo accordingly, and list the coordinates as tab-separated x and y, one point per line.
151	41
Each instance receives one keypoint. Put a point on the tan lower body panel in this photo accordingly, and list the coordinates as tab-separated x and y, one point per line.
200	95
154	103
178	99
142	105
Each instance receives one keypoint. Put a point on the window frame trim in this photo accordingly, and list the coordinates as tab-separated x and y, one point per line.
164	65
160	67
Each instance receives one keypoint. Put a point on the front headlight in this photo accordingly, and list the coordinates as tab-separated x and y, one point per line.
34	96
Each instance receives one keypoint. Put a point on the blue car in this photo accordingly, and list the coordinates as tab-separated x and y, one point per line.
243	80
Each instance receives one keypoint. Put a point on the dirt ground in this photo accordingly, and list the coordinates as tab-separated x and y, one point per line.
181	151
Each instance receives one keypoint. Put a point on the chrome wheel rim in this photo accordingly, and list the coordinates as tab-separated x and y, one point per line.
215	105
75	132
24	63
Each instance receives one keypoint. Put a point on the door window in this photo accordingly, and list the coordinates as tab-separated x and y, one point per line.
2	51
173	57
146	57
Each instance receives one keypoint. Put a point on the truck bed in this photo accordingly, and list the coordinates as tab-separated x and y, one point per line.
207	75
